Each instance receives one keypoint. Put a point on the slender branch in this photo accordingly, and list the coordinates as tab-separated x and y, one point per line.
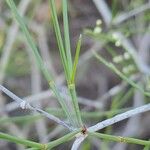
10	138
63	139
78	142
25	105
120	139
49	145
119	117
75	104
124	16
48	94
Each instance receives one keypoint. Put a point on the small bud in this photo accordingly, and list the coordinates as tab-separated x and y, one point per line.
126	56
98	22
97	30
118	59
131	68
128	69
118	43
114	36
125	70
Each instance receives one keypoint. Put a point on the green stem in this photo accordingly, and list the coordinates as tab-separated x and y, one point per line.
120	139
76	59
75	104
66	36
59	37
62	102
13	139
63	139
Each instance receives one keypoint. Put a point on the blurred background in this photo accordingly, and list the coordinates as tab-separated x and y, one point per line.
119	30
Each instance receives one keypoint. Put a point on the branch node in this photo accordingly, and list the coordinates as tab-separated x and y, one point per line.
24	105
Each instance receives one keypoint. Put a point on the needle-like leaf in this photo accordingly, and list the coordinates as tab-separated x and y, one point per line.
66	36
38	58
76	59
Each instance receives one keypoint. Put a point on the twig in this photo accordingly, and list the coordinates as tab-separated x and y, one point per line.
124	16
48	94
25	105
77	142
119	117
120	139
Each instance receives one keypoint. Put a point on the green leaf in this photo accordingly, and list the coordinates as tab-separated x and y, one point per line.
59	37
78	48
66	36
